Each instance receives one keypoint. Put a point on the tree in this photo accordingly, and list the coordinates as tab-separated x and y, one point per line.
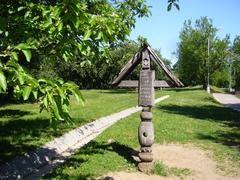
58	30
192	66
236	64
102	70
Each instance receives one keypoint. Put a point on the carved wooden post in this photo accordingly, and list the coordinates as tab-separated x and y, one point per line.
146	100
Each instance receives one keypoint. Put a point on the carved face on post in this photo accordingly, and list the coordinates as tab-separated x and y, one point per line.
146	63
145	60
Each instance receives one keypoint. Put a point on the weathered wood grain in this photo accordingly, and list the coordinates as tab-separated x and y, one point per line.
134	84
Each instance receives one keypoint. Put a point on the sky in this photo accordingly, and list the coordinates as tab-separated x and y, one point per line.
162	28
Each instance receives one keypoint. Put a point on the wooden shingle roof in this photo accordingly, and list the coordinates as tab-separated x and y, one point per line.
137	58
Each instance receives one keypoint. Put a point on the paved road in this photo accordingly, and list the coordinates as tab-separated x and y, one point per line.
228	100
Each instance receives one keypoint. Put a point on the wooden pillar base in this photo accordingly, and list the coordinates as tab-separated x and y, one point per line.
146	156
145	167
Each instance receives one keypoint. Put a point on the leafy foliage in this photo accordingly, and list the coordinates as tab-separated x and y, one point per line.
99	71
172	3
54	31
58	30
221	78
236	63
192	65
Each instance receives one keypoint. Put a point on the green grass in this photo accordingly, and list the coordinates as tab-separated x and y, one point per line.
23	128
188	116
162	170
215	89
237	95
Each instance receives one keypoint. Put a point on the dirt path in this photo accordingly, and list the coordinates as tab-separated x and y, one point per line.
180	156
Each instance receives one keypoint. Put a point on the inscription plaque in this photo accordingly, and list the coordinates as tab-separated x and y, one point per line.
146	88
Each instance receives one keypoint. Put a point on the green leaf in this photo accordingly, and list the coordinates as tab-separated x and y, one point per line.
15	56
20	76
45	102
27	54
63	110
99	35
169	7
104	38
3	25
78	95
87	34
60	26
60	92
20	8
109	30
27	14
26	92
31	80
60	80
22	46
65	57
35	94
16	65
177	6
56	110
3	82
47	23
50	97
17	92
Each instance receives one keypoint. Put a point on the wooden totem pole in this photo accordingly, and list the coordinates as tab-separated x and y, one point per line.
146	100
146	85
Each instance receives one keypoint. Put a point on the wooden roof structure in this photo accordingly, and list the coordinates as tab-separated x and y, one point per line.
137	58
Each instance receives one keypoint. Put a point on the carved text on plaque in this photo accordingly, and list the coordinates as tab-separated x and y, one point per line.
146	88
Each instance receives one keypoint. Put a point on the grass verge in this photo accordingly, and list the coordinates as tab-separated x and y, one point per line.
162	170
215	89
188	116
23	128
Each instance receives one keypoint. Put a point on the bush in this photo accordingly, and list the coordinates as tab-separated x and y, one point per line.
220	78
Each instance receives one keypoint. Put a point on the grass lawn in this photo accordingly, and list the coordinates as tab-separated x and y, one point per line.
188	116
23	128
215	89
237	95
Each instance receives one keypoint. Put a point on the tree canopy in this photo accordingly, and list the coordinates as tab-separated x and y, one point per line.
58	30
192	66
236	60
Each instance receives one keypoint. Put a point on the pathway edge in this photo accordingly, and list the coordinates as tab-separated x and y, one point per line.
42	160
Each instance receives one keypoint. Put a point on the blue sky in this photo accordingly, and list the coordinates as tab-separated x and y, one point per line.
162	28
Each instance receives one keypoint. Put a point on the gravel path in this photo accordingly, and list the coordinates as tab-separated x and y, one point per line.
228	100
42	160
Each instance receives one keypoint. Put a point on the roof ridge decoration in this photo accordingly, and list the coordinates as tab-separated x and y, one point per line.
137	58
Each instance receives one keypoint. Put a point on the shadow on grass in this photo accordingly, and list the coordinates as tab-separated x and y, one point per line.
120	91
20	133
209	112
71	162
231	139
122	150
90	149
211	99
184	89
18	136
217	114
13	113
